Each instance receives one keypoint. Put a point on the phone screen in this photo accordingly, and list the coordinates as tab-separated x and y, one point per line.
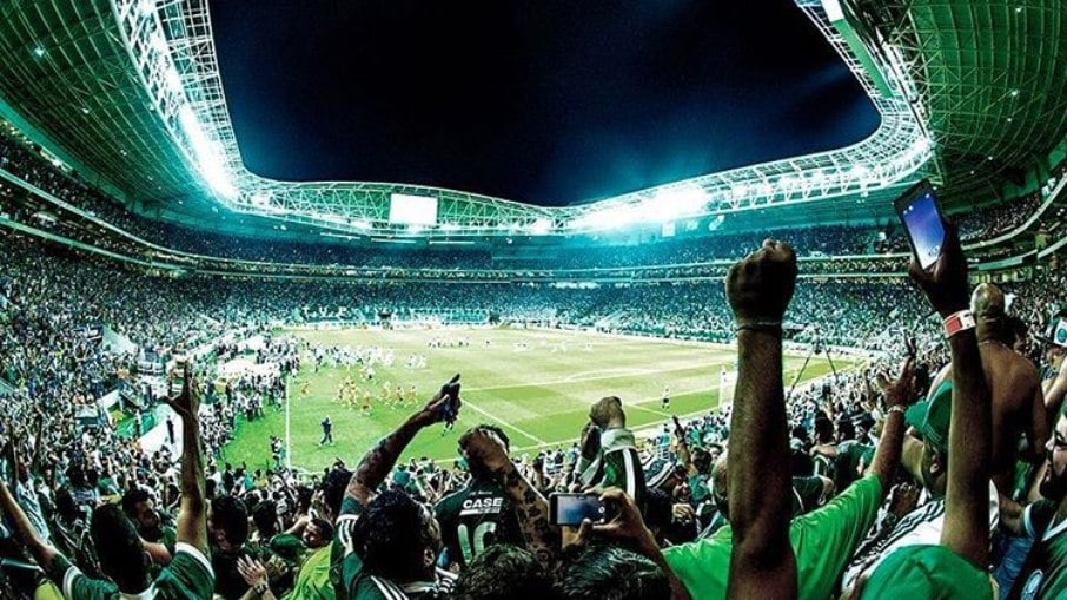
922	219
572	509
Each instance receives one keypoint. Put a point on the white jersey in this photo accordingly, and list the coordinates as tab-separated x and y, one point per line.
920	527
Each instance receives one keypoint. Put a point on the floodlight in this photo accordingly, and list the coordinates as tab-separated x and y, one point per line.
174	81
159	43
261	199
670	204
208	155
540	226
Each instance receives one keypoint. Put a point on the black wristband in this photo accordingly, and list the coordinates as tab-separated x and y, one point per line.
771	326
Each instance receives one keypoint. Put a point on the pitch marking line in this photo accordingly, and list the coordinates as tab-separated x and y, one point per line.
632	373
502	422
617	372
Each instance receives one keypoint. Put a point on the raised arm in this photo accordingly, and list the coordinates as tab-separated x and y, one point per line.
35	454
898	395
966	530
682	449
42	552
762	565
192	514
380	460
531	508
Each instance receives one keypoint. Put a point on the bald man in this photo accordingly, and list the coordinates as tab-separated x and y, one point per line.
1018	404
1018	408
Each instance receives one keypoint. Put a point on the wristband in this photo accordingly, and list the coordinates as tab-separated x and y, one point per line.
895	409
959	321
773	326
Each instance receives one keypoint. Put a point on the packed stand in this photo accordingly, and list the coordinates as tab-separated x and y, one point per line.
682	521
22	159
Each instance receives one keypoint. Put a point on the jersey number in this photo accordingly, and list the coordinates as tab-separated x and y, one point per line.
473	545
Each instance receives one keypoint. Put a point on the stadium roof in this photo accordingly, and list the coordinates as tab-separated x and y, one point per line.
132	88
989	78
550	102
65	67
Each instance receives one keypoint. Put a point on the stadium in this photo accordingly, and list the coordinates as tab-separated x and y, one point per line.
248	247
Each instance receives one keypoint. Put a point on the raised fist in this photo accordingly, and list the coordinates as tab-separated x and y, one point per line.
760	286
187	403
484	447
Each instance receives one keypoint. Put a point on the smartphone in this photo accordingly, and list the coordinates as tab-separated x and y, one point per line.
570	510
451	389
920	213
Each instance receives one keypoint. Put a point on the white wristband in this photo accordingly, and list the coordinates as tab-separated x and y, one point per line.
959	321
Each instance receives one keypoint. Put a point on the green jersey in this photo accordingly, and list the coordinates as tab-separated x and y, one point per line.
476	517
1044	574
187	577
352	582
822	540
313	582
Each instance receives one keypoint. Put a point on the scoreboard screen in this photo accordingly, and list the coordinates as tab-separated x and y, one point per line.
412	210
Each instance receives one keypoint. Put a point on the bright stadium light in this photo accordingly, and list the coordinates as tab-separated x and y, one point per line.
160	44
261	199
208	154
174	81
670	204
540	226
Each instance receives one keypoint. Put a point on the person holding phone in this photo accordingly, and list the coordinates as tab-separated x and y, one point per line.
958	447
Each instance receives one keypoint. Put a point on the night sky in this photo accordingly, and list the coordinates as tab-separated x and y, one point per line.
546	101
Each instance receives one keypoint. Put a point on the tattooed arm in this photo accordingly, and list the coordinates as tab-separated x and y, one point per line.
531	508
379	462
542	538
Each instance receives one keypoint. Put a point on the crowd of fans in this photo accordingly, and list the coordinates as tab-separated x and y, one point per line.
22	159
945	477
86	505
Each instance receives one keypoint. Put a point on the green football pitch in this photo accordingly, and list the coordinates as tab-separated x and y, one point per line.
539	396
